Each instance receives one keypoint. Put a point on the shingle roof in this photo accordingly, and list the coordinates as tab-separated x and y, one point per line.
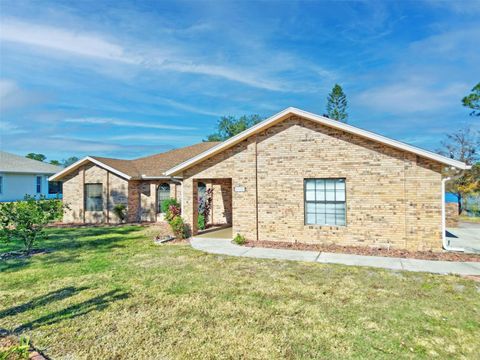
149	166
156	165
20	164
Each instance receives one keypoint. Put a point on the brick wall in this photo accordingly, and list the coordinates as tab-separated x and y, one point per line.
115	191
451	214
140	197
393	197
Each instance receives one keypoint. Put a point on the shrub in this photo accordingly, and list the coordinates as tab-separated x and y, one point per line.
178	227
239	239
172	212
201	222
24	220
165	205
119	211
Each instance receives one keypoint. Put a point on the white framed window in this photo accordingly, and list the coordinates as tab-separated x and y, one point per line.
93	197
163	193
325	202
38	184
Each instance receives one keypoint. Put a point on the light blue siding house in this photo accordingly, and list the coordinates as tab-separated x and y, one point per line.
20	176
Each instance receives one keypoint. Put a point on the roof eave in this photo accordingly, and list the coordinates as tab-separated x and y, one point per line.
320	119
58	176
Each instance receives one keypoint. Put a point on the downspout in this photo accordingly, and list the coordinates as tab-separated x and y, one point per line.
446	243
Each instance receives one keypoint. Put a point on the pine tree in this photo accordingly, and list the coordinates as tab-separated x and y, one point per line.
337	104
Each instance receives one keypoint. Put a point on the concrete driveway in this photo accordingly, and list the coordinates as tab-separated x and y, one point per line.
466	235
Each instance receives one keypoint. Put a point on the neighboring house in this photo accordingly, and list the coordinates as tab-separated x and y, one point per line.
296	176
20	176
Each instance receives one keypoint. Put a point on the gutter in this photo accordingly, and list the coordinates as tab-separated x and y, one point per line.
445	241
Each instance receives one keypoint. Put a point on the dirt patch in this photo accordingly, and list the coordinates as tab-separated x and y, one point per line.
369	251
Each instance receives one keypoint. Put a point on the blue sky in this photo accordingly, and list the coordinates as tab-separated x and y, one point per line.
126	79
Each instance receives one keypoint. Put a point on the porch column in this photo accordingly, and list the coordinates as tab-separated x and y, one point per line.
190	212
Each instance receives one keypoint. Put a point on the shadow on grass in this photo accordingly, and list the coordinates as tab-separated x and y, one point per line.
97	303
42	300
73	240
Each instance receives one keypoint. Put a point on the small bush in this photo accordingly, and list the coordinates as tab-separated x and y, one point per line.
172	212
239	239
201	222
119	211
25	220
178	227
165	205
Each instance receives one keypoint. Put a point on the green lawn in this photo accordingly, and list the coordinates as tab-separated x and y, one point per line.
110	293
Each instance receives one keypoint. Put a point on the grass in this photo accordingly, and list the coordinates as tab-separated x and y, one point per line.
471	219
109	293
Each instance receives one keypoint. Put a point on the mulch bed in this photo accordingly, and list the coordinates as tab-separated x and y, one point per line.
61	225
370	251
10	349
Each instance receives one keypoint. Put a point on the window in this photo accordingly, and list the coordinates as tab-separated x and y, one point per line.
325	202
163	193
1	184
55	187
202	188
93	197
39	184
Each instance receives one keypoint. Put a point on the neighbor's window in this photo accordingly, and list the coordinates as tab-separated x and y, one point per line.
93	197
325	202
39	184
163	193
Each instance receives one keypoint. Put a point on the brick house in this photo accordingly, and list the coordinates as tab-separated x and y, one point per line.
302	177
94	185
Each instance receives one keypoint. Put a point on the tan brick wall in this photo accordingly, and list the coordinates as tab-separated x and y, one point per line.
221	213
142	198
393	197
114	192
451	214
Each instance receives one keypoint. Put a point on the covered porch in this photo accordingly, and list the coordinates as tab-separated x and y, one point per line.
211	200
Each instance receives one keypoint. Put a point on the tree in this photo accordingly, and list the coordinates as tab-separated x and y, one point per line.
25	220
472	100
69	161
229	126
35	156
55	162
337	104
463	146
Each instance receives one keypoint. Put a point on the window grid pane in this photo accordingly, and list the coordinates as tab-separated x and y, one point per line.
325	202
93	197
163	193
39	184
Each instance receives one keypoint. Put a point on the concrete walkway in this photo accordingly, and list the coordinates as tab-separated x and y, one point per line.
226	247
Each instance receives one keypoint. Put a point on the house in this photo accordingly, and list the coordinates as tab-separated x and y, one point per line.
94	185
20	176
296	176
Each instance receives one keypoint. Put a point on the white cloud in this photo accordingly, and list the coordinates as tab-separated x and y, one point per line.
126	123
96	46
12	96
83	44
410	97
7	128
